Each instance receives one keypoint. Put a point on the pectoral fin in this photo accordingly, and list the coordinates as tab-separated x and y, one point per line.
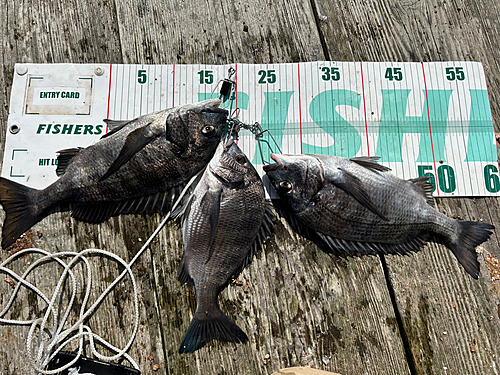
135	142
210	204
353	186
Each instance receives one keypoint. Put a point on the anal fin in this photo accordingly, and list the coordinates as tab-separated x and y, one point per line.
343	247
98	212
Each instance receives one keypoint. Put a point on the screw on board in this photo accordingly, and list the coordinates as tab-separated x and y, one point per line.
21	70
99	71
14	129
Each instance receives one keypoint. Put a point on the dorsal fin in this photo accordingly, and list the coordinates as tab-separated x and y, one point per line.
370	162
114	126
424	187
64	159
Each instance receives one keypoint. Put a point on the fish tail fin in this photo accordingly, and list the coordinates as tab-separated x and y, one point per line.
470	234
20	214
210	326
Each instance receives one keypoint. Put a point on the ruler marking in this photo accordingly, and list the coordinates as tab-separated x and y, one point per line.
300	108
173	87
109	93
430	132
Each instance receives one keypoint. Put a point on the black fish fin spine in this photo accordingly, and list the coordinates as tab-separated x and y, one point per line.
265	230
183	275
64	159
212	326
115	126
470	235
20	214
370	162
424	187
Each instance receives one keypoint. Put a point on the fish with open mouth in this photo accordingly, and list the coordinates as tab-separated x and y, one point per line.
356	207
135	168
224	223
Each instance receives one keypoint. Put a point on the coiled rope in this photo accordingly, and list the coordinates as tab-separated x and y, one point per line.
60	337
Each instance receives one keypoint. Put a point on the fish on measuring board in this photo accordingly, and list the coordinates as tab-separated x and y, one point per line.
224	224
356	207
135	168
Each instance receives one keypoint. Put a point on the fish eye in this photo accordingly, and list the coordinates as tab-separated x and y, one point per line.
285	186
240	159
208	129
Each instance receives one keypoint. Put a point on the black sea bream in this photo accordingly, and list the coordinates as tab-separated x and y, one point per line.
224	224
132	169
355	207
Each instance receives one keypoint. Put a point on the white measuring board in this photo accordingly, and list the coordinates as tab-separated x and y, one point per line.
431	119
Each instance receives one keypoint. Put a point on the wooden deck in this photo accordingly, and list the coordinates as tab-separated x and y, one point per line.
374	315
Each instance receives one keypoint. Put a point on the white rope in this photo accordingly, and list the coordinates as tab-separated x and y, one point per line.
60	336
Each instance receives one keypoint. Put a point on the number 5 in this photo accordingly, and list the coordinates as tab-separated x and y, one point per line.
450	74
141	76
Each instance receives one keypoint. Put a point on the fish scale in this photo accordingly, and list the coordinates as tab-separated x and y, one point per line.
124	171
355	207
224	224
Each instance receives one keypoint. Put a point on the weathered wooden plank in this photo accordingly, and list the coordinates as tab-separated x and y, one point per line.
443	310
302	307
422	30
48	32
298	307
188	32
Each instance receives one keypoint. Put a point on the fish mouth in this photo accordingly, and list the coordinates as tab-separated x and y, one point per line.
278	166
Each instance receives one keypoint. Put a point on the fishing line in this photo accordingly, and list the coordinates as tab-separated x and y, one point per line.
228	92
236	125
228	87
60	336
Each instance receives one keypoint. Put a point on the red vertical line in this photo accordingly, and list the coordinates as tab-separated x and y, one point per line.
489	105
236	84
236	93
154	90
300	109
460	111
483	119
141	99
364	107
173	88
236	90
109	93
430	131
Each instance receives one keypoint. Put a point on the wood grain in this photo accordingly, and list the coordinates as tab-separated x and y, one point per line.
280	31
301	306
443	311
50	32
